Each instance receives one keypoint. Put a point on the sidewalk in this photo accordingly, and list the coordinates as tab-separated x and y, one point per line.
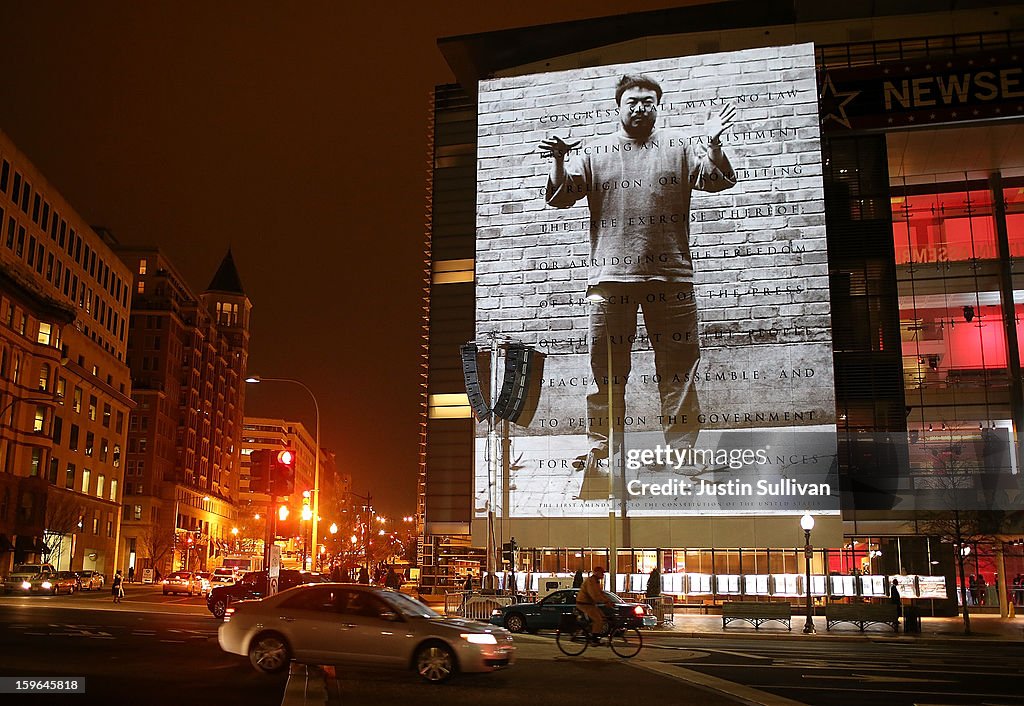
983	627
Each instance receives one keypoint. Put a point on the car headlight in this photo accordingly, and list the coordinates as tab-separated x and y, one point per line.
479	638
26	585
496	612
46	585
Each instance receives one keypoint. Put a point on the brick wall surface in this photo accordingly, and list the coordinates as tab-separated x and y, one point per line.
759	248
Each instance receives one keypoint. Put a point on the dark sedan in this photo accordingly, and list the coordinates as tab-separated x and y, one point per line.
546	614
253	585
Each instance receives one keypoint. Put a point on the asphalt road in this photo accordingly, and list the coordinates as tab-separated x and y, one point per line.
163	650
838	672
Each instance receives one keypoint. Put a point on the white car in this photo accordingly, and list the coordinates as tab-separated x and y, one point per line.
223	576
31	578
349	624
182	582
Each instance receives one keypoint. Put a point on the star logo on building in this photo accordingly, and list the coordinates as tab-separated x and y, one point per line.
833	103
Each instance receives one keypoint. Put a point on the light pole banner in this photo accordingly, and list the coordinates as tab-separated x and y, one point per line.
657	229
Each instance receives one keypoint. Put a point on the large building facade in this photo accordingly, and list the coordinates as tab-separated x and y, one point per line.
188	355
65	389
915	152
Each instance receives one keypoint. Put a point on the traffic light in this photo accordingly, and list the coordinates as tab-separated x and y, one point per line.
508	551
259	470
282	473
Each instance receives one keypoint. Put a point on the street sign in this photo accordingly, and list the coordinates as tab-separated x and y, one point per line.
148	576
274	571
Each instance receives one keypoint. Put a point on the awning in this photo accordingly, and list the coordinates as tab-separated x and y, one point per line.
24	543
5	544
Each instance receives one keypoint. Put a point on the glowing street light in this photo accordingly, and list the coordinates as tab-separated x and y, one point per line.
334	528
282	513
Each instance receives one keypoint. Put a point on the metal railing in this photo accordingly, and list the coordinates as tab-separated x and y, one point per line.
474	606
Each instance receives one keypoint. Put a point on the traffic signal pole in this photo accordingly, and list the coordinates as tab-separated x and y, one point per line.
270	534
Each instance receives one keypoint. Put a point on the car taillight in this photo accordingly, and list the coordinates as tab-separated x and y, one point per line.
639	610
227	614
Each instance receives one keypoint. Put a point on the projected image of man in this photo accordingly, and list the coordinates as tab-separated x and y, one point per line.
638	183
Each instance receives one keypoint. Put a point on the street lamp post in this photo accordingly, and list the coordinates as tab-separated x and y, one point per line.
807	524
255	379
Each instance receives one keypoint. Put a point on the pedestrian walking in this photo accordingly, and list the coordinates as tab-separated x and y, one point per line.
117	587
131	574
577	580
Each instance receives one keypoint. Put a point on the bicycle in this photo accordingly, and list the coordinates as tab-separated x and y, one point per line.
574	638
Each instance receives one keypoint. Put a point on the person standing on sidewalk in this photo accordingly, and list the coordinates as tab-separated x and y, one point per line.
894	597
116	587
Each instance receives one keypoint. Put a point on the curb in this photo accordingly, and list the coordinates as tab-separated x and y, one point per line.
880	637
307	686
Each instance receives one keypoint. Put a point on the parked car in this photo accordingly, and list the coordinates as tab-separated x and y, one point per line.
182	582
204	580
253	585
90	580
547	613
65	582
353	624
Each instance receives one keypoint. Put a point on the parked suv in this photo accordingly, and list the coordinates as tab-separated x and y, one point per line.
253	585
30	578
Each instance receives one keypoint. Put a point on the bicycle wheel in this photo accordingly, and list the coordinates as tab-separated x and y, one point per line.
626	642
572	642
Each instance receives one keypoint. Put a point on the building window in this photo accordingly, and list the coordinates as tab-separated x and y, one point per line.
45	333
92	407
95	524
54	470
76	403
138	512
142	266
37	459
90	442
73	438
44	377
100	481
39	423
119	425
69	476
106	415
86	477
23	326
113	489
117	455
58	429
103	450
61	385
141	287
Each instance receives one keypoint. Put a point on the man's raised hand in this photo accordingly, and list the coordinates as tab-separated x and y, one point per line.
717	124
555	147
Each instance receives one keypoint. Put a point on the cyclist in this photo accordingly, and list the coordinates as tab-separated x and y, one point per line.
590	599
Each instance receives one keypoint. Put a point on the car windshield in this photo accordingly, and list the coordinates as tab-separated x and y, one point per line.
408	606
27	569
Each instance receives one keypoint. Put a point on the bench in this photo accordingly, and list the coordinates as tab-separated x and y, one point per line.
756	613
862	615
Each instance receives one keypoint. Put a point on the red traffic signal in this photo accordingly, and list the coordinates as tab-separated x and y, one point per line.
283	473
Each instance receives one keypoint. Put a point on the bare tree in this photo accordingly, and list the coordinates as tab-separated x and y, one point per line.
157	542
959	516
63	514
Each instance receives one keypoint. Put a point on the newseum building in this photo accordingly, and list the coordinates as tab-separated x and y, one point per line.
696	274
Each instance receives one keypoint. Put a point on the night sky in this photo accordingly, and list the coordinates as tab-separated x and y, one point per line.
293	133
